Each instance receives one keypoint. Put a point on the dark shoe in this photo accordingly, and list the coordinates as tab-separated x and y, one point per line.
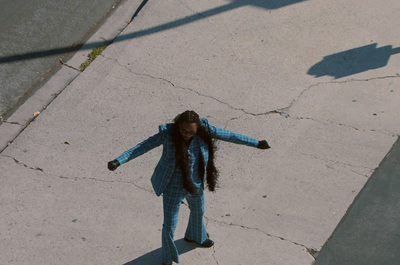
207	243
166	264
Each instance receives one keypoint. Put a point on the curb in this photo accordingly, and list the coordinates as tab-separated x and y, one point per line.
110	27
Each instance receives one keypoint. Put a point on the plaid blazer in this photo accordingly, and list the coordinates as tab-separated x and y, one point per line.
166	166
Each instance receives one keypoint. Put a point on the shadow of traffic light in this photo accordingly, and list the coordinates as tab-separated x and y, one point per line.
353	61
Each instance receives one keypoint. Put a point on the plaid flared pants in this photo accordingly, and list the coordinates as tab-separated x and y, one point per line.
195	231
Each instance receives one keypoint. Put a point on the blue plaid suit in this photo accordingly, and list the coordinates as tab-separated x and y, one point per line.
166	166
167	180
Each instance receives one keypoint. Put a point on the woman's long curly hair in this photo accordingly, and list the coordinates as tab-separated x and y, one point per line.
181	154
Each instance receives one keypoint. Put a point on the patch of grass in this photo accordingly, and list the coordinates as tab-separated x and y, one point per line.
91	56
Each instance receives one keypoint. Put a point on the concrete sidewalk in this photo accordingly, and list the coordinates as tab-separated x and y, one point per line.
319	80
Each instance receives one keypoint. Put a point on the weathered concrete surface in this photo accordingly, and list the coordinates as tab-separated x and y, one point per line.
243	65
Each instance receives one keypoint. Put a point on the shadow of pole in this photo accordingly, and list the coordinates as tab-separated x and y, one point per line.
353	61
154	257
234	4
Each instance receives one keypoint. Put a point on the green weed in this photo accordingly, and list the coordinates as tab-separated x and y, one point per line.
91	56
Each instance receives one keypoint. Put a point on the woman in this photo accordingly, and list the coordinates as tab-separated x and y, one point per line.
187	162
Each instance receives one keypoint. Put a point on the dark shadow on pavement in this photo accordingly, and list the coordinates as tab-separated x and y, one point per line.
266	4
155	257
353	61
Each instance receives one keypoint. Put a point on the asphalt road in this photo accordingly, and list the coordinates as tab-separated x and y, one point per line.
32	26
369	233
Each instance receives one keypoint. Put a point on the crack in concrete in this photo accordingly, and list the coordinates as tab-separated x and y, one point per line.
107	181
213	255
12	123
335	82
232	119
194	91
230	106
75	178
313	252
387	133
69	66
341	164
284	112
24	165
195	12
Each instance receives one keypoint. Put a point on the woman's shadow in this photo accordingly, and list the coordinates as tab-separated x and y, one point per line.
154	257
